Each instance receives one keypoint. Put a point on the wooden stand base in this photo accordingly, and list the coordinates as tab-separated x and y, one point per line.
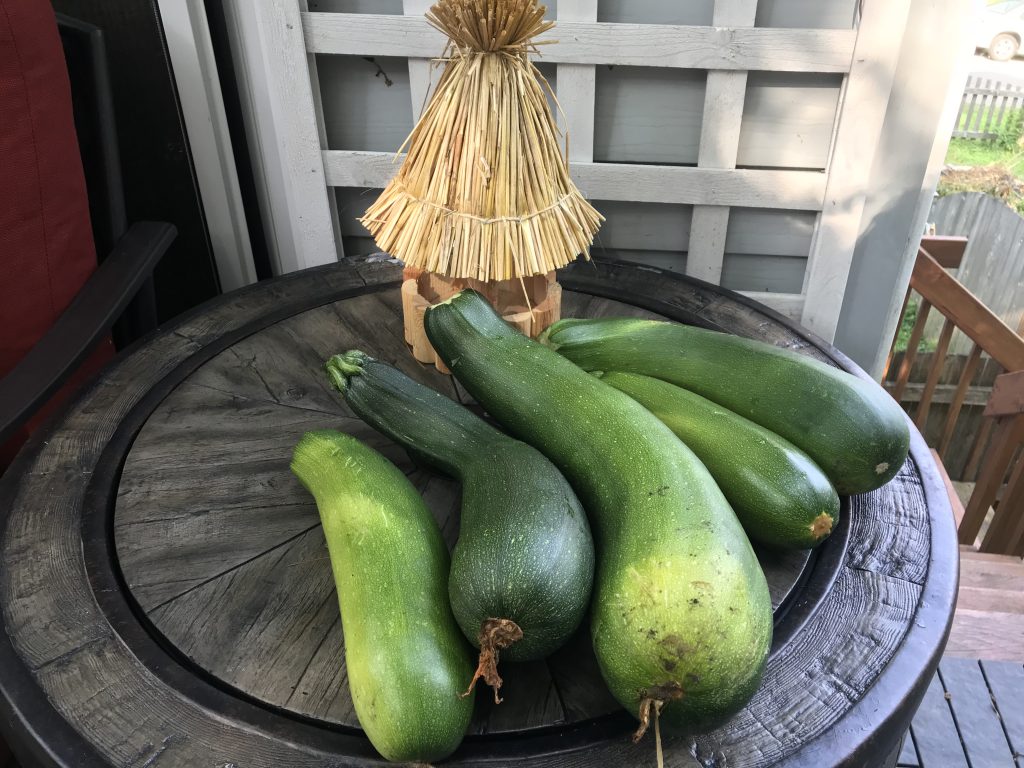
531	312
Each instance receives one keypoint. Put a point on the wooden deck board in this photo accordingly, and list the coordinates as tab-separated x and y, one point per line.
934	730
972	716
982	574
985	700
991	600
1006	681
977	718
987	634
989	620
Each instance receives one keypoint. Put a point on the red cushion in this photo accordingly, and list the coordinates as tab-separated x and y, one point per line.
46	244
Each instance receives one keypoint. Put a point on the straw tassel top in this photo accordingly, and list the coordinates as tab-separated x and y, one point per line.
484	191
486	27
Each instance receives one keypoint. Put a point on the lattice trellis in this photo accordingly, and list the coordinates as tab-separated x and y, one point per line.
300	169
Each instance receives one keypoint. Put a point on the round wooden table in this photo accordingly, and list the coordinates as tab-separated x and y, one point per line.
168	601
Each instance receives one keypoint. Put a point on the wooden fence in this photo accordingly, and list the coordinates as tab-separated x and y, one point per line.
993	265
986	104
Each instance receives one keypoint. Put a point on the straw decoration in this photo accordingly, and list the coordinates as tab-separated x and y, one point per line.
484	191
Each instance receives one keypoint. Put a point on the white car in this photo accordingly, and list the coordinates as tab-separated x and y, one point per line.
1000	29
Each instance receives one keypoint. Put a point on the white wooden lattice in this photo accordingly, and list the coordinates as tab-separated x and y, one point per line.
291	129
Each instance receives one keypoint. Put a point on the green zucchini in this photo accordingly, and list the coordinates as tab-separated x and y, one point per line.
852	429
523	565
781	497
681	618
405	656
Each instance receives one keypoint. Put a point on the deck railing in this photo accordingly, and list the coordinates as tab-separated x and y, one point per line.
996	459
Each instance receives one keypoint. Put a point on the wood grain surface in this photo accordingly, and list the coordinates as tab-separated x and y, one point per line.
224	558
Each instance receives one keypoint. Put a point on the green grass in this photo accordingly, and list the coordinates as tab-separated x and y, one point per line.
1003	150
981	153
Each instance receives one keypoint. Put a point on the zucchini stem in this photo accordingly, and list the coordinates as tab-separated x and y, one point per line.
655	699
646	703
341	367
657	736
495	636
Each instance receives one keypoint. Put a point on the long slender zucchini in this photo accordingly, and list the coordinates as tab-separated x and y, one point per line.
781	497
405	656
523	565
681	615
851	428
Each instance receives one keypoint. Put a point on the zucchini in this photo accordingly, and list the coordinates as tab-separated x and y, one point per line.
523	565
781	497
681	618
851	428
405	656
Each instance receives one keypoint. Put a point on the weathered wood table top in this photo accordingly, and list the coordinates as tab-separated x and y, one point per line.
167	597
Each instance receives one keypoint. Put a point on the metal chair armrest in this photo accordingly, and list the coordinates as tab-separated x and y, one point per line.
94	310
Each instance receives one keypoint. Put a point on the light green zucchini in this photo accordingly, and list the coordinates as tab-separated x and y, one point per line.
407	661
